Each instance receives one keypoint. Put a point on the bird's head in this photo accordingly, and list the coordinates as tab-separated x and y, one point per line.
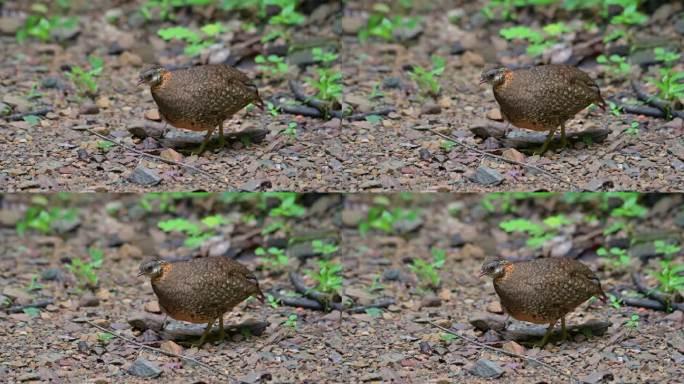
152	268
493	76
493	268
151	76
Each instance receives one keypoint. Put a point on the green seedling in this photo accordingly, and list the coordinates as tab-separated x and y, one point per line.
614	301
34	285
272	65
385	27
670	84
85	272
328	278
32	120
427	79
291	321
33	93
614	109
381	218
324	57
84	80
196	233
272	227
376	284
41	27
428	273
105	145
447	337
537	41
614	228
633	128
40	218
633	321
291	130
105	336
376	93
194	41
665	248
615	66
328	84
272	109
538	234
374	119
272	301
273	258
507	8
616	257
670	278
324	248
288	205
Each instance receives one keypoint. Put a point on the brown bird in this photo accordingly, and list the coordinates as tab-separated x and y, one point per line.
200	98
542	98
542	291
201	290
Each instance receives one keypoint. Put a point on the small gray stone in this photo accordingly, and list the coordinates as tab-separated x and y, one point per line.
89	108
430	108
392	274
144	368
487	369
144	176
487	176
391	82
49	82
456	240
50	274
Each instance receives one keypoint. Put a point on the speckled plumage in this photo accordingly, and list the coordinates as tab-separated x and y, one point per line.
544	97
542	291
201	290
200	98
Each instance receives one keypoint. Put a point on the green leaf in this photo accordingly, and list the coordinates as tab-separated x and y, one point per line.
521	32
179	33
213	29
32	120
179	225
214	221
105	336
32	311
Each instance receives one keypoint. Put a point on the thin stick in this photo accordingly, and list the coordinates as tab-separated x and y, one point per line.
188	166
37	304
547	173
141	345
19	116
483	345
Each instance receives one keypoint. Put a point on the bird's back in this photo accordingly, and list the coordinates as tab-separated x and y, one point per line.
200	290
543	290
544	96
200	98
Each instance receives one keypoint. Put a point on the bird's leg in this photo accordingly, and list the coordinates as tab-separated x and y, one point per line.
222	140
201	148
166	319
564	331
545	339
222	332
564	140
204	335
545	146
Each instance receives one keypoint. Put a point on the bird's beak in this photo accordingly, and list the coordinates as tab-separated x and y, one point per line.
482	81
140	82
140	273
482	273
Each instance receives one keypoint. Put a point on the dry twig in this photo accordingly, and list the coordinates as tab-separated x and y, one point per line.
141	345
485	153
158	158
499	350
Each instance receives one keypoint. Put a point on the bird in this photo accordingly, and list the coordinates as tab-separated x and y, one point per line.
543	97
542	291
201	290
200	98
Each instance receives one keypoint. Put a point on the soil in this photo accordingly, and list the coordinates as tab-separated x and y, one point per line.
398	152
393	344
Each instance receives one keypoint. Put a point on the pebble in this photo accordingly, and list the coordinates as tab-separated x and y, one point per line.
457	48
144	368
486	176
430	108
494	114
50	274
391	274
152	307
89	108
472	59
171	155
391	82
143	321
89	301
102	102
152	114
130	59
171	347
430	301
513	154
144	176
486	369
513	347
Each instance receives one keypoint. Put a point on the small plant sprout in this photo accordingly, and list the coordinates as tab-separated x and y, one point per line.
328	84
374	312
272	65
428	273
31	311
85	80
324	248
291	130
633	321
666	248
85	272
324	57
633	128
447	145
194	41
427	79
616	257
670	278
272	301
614	301
616	66
105	336
272	258
327	277
291	321
33	285
670	84
447	337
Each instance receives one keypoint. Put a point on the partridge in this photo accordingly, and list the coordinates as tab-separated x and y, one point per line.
201	290
542	98
200	98
542	291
